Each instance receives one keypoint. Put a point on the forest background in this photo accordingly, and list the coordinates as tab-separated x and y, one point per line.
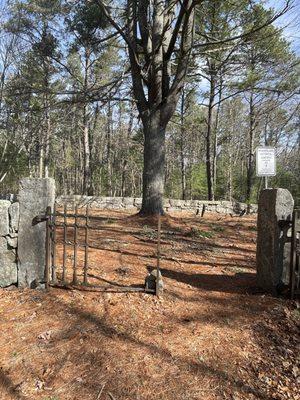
68	110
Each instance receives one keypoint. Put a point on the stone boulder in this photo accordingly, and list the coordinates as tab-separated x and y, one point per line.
35	196
14	217
275	210
4	217
8	268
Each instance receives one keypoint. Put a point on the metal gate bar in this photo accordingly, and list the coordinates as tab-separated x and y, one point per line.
55	276
48	247
51	245
86	250
75	279
53	225
295	255
65	244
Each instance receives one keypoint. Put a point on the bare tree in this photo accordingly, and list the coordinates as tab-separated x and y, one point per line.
159	38
159	35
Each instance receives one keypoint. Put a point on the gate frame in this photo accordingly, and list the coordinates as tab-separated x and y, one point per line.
294	283
51	241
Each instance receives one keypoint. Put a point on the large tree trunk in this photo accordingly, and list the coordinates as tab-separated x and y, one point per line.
154	167
154	30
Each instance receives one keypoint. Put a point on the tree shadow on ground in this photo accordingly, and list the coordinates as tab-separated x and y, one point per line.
7	386
95	364
153	256
238	283
219	310
103	328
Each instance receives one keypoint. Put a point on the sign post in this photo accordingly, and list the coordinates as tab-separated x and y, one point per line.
266	163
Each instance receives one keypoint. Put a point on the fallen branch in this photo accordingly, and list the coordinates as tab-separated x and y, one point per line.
101	390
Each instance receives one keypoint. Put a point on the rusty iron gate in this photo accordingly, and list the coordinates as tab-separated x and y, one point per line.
74	229
295	255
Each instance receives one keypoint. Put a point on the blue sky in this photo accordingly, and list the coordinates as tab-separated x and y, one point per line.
290	22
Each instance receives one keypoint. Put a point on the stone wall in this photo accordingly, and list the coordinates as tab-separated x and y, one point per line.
22	241
22	244
9	226
10	197
170	205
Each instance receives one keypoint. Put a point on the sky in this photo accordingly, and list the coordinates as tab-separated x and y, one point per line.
290	22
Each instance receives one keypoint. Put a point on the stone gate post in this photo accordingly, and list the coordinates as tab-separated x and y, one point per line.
275	210
9	220
35	195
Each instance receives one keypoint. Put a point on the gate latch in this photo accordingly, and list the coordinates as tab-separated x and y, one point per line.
40	218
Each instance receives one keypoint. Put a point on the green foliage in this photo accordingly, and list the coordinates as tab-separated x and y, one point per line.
218	228
264	52
173	187
86	20
288	177
59	69
28	16
47	46
15	165
198	233
198	181
150	233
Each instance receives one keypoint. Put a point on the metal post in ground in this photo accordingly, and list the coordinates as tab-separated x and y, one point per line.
159	283
48	248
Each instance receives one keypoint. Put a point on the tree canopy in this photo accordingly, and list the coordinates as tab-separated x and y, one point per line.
147	98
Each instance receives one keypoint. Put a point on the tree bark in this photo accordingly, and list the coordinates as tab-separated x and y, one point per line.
87	175
47	121
163	30
216	125
41	159
87	187
126	157
47	141
182	158
210	192
108	149
154	167
229	185
250	153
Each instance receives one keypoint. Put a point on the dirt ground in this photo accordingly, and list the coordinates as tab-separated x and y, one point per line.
213	335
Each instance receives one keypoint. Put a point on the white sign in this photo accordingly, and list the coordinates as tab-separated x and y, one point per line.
265	161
